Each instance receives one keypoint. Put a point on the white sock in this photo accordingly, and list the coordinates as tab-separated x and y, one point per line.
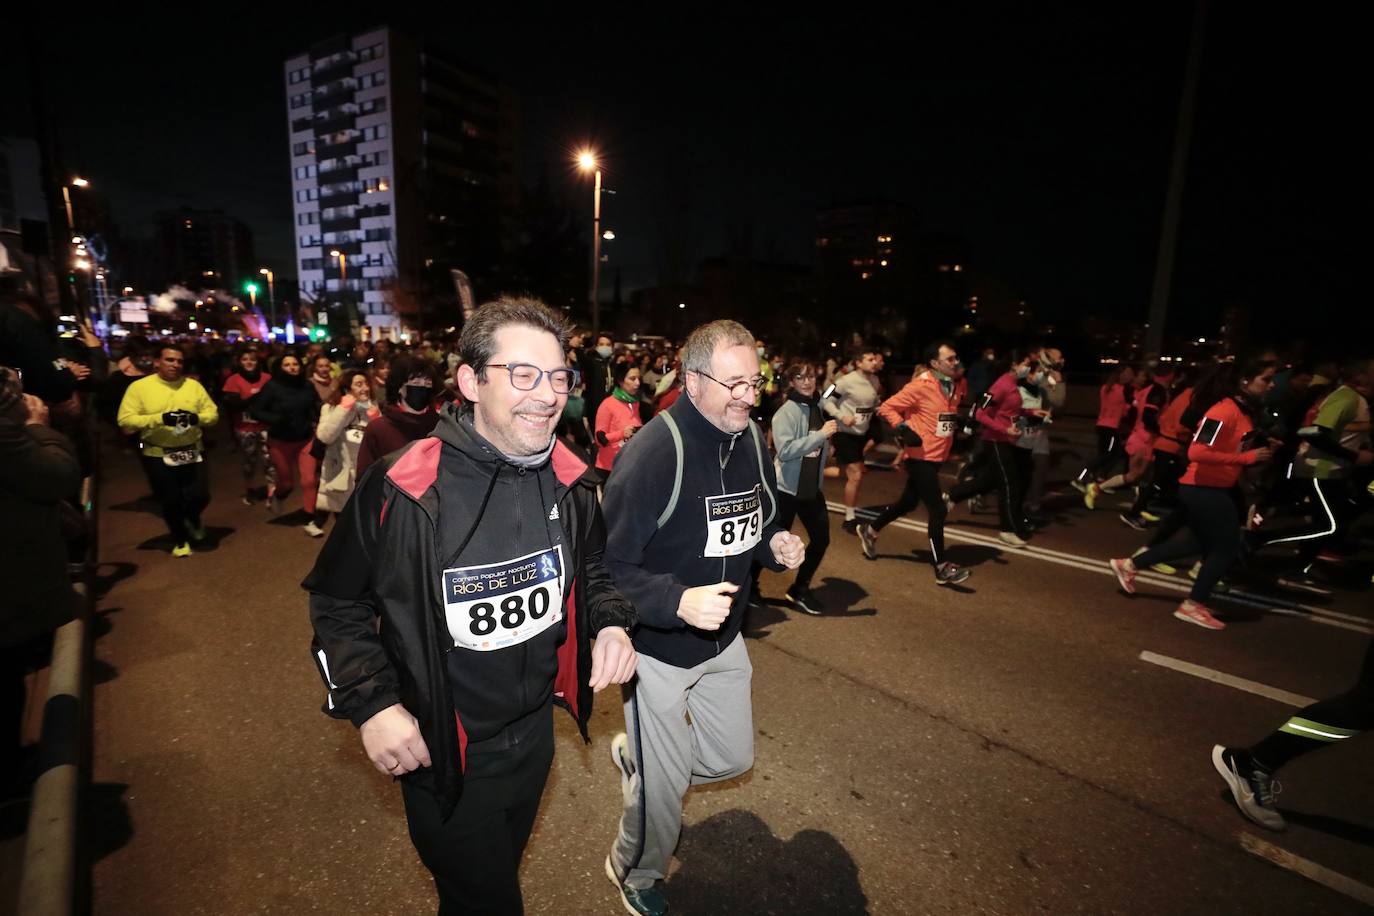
849	513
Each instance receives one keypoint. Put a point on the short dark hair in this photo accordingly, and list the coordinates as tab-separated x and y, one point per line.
620	370
171	345
932	350
798	367
477	345
404	368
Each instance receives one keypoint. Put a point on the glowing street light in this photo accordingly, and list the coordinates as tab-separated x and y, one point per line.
271	296
608	235
587	162
80	183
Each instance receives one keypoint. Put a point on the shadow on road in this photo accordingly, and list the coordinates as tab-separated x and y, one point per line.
732	862
163	542
108	575
107	819
1332	826
837	596
142	504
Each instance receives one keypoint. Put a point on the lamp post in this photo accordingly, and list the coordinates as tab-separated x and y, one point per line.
271	297
587	162
343	282
80	261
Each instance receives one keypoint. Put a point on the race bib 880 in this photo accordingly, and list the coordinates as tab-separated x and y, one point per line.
734	523
503	604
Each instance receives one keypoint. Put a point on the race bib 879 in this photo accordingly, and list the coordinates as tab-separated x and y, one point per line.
503	604
734	523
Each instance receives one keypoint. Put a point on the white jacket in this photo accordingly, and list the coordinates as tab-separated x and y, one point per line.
341	430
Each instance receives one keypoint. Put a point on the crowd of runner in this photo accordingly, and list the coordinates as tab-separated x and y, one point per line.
528	434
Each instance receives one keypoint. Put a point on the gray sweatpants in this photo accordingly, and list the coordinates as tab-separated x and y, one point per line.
686	727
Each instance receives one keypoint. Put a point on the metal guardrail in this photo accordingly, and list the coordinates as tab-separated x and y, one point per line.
52	883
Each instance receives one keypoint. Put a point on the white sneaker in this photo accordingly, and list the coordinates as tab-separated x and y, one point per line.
620	756
1012	539
314	530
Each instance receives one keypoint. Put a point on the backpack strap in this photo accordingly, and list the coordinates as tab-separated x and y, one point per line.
668	510
759	449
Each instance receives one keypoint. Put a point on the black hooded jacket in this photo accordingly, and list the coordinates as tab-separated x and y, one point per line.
382	635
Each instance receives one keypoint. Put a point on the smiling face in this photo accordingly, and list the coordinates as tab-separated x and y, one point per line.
729	364
516	422
359	388
804	383
290	365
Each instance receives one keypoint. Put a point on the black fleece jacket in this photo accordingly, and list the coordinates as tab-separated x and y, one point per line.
653	566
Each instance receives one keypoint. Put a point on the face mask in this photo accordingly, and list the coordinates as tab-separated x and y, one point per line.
759	350
144	364
1022	371
416	398
604	352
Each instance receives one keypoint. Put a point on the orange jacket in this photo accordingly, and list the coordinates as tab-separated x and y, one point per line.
923	406
1172	436
1215	456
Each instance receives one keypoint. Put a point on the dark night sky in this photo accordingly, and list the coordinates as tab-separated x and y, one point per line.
1042	137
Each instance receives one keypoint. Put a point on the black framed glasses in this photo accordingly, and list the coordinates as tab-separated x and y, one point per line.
740	388
525	377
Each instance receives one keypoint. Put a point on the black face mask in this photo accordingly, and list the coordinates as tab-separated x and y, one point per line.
250	376
416	397
144	364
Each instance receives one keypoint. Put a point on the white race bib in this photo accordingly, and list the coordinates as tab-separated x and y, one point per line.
734	523
181	456
354	435
944	425
503	604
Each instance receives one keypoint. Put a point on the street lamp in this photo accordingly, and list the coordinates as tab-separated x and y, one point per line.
587	162
252	290
271	296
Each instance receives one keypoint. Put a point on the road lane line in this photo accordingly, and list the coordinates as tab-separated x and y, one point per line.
1307	868
1265	603
1229	680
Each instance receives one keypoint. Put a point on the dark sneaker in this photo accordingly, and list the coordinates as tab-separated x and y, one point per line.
1253	788
1306	580
1132	521
804	601
755	599
949	574
646	902
851	525
197	532
868	541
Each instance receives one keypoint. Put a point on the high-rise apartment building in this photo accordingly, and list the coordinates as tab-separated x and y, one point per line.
402	167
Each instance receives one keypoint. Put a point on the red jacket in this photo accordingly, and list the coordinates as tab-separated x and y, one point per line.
1215	456
1003	410
612	416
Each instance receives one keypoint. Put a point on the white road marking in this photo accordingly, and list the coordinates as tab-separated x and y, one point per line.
1229	680
1268	604
1307	868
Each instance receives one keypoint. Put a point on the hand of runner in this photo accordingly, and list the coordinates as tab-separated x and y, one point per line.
80	370
393	742
613	658
788	549
1260	455
38	411
707	606
828	428
849	421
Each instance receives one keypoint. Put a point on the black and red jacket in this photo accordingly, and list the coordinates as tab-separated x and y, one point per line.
381	636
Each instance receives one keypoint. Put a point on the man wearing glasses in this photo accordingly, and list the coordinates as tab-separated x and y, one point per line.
456	600
691	505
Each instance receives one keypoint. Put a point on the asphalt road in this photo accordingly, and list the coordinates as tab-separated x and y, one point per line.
1000	747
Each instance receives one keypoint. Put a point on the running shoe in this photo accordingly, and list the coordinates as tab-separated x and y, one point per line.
868	541
1221	585
1012	539
1079	485
181	550
1306	580
1125	574
949	574
1090	495
646	902
1163	568
620	756
1331	556
197	532
1198	614
976	504
755	599
949	503
1149	516
801	598
1253	788
1132	521
246	500
271	504
850	525
312	529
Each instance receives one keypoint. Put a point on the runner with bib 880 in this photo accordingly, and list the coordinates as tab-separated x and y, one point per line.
690	505
455	602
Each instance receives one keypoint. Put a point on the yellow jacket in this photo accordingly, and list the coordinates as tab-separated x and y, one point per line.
146	400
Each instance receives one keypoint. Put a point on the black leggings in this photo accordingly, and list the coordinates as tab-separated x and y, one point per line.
1213	530
1332	510
1161	482
923	488
1324	723
1111	448
815	518
1000	471
182	492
